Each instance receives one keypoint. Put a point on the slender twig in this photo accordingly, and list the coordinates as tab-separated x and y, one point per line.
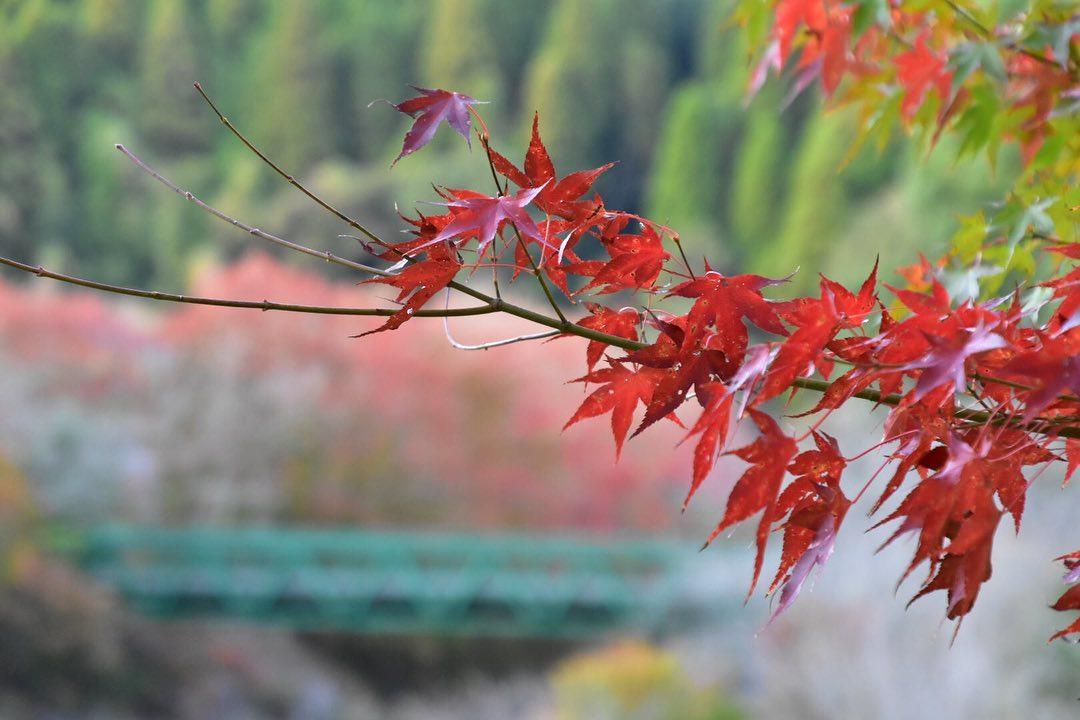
288	177
254	231
460	287
499	189
496	343
539	276
535	268
253	305
506	341
678	243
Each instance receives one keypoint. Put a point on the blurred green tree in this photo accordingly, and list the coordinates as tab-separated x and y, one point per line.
688	179
458	50
169	115
292	88
816	205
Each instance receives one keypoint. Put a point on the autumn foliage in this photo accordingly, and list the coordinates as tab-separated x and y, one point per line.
981	387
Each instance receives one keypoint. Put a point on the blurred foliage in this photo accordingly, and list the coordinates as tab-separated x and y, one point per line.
664	98
198	415
17	513
634	681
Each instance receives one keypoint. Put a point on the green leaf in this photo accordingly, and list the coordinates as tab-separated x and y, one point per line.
967	57
869	13
968	241
1034	217
990	60
977	126
1007	9
1035	300
964	285
1058	37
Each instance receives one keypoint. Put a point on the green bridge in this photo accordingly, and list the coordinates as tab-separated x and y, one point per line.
402	583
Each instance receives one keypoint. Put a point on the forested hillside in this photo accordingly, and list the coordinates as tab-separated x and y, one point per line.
658	85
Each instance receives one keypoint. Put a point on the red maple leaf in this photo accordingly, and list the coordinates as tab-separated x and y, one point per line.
918	70
790	15
430	108
722	302
687	360
816	324
955	516
483	216
619	394
815	507
710	342
825	52
1053	368
1070	599
620	323
757	489
713	423
558	196
945	362
418	283
852	309
1035	88
636	262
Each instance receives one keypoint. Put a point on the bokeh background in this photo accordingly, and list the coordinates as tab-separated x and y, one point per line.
122	413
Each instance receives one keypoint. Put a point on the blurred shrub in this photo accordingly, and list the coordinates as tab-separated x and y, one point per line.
16	514
634	681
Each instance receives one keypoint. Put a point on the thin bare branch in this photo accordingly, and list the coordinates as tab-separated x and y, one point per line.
249	229
559	328
462	288
220	302
686	261
288	177
495	343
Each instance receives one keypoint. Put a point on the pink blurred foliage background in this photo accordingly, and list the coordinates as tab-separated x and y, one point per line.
398	428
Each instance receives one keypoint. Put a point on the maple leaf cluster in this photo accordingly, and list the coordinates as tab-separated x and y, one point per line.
931	62
979	394
981	388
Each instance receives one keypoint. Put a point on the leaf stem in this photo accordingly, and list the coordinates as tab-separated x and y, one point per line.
499	188
539	276
485	141
678	243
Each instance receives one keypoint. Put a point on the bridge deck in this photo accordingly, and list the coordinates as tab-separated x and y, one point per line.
396	582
